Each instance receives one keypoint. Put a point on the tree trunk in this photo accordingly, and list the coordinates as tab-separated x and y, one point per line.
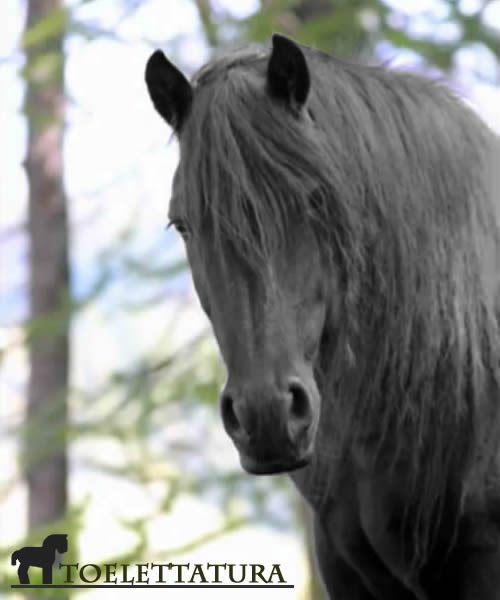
46	461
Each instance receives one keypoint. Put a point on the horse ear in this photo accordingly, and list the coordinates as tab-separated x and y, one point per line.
287	71
170	91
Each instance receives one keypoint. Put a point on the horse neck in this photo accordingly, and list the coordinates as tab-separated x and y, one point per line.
50	547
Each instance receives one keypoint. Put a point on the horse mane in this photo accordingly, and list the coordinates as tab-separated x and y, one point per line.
397	178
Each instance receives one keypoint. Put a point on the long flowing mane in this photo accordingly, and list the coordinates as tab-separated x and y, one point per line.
396	176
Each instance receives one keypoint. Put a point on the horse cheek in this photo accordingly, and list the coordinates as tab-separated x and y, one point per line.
312	320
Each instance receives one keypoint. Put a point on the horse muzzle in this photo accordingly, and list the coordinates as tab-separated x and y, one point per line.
273	467
272	428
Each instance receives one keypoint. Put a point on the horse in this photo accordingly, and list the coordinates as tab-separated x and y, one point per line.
341	224
43	557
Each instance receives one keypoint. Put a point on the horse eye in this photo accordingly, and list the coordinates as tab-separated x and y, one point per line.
181	227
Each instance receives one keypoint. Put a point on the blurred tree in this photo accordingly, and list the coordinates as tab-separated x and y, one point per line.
45	452
354	28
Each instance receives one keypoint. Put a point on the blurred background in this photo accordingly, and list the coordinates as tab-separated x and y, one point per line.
109	378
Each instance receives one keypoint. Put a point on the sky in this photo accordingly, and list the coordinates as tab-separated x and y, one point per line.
119	160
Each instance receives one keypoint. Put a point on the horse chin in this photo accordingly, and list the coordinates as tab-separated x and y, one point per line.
273	467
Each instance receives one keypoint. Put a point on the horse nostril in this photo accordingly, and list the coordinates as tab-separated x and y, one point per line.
229	417
300	410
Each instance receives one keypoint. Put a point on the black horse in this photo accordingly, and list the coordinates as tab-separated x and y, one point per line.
342	228
43	557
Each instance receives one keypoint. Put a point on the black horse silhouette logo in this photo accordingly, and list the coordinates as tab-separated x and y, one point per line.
43	557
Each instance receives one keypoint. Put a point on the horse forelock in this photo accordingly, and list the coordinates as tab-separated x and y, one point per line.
393	173
246	163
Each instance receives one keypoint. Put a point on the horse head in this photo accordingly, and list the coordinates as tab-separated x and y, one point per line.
56	541
255	258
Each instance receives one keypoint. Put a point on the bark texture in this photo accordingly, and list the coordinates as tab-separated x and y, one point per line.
46	461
